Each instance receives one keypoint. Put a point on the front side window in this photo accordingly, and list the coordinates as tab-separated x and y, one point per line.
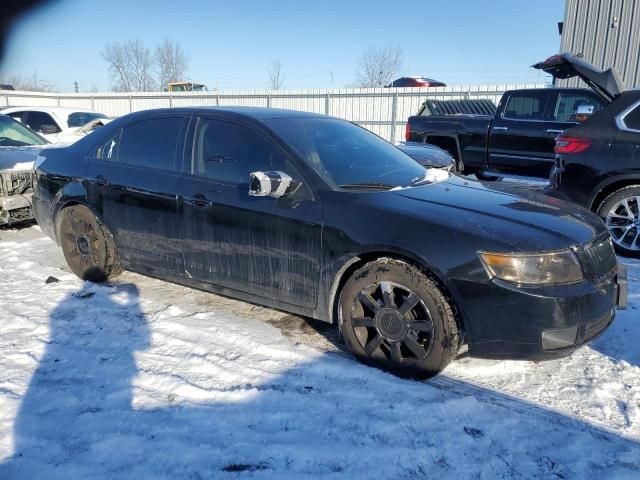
228	153
149	143
525	106
346	155
79	119
13	134
37	121
567	105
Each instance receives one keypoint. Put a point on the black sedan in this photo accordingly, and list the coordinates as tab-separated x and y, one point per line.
319	217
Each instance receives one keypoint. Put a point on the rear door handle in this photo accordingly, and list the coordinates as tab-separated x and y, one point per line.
101	180
198	200
501	128
553	130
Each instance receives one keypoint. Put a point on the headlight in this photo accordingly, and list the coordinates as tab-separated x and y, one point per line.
533	269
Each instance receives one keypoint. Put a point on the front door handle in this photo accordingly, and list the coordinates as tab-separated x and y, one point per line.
501	128
198	200
553	130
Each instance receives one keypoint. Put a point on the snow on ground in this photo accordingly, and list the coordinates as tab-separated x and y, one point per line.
145	379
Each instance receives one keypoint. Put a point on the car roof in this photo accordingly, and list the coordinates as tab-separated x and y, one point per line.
55	110
257	113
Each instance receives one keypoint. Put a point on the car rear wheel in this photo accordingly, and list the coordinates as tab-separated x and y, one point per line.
87	245
392	316
621	213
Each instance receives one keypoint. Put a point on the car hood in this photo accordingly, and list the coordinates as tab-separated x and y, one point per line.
606	83
18	159
520	218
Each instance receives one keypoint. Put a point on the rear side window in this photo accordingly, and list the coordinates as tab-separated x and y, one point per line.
149	143
567	104
525	106
632	120
227	152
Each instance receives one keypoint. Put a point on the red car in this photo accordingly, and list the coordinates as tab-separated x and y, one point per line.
416	82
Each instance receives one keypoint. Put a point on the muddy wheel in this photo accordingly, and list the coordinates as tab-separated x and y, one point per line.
87	245
394	317
621	213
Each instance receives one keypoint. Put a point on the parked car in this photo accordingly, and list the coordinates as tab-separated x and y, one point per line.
19	148
429	156
597	163
519	139
319	217
53	123
416	82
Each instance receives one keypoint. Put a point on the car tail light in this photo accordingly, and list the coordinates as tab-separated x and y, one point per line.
407	133
571	145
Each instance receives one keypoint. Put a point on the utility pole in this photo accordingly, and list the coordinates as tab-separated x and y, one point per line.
75	86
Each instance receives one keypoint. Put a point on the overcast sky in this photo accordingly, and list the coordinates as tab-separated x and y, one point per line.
230	44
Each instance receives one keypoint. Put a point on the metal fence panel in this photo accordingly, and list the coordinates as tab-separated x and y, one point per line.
384	111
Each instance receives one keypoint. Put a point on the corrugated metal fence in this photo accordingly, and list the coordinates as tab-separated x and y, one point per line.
381	110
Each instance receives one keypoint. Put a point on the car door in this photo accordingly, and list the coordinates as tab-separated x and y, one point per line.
260	245
131	183
519	142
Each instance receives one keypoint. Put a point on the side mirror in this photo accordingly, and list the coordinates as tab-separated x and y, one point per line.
271	184
584	112
48	129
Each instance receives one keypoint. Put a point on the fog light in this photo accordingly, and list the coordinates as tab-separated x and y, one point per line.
560	338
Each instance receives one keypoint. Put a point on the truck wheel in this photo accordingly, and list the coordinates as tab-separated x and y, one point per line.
621	213
87	245
394	317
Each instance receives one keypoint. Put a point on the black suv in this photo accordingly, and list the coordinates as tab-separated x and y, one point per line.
597	163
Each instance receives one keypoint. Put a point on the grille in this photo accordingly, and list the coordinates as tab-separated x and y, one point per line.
592	329
598	260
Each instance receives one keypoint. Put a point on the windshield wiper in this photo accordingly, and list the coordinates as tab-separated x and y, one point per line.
376	186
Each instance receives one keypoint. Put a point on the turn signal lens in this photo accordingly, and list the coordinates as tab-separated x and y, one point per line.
533	269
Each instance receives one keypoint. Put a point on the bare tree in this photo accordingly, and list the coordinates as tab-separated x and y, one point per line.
276	75
378	66
130	66
34	83
172	62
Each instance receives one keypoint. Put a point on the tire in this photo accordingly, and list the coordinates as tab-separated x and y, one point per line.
621	213
392	316
87	245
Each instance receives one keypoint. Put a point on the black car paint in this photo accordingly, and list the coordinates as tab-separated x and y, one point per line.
497	144
293	253
428	155
611	162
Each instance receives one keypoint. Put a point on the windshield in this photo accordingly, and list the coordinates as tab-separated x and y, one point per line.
347	156
79	119
14	134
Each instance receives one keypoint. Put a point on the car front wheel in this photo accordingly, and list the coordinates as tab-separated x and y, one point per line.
394	317
621	213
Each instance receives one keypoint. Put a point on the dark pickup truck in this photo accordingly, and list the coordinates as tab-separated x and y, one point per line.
520	138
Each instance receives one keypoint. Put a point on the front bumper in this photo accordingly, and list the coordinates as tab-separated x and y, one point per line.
16	209
506	321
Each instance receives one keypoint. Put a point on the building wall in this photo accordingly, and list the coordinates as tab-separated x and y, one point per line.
606	33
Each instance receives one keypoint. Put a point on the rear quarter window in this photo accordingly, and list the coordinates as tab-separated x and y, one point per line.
632	119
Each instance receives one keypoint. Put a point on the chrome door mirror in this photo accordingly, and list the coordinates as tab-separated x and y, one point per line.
584	112
270	184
